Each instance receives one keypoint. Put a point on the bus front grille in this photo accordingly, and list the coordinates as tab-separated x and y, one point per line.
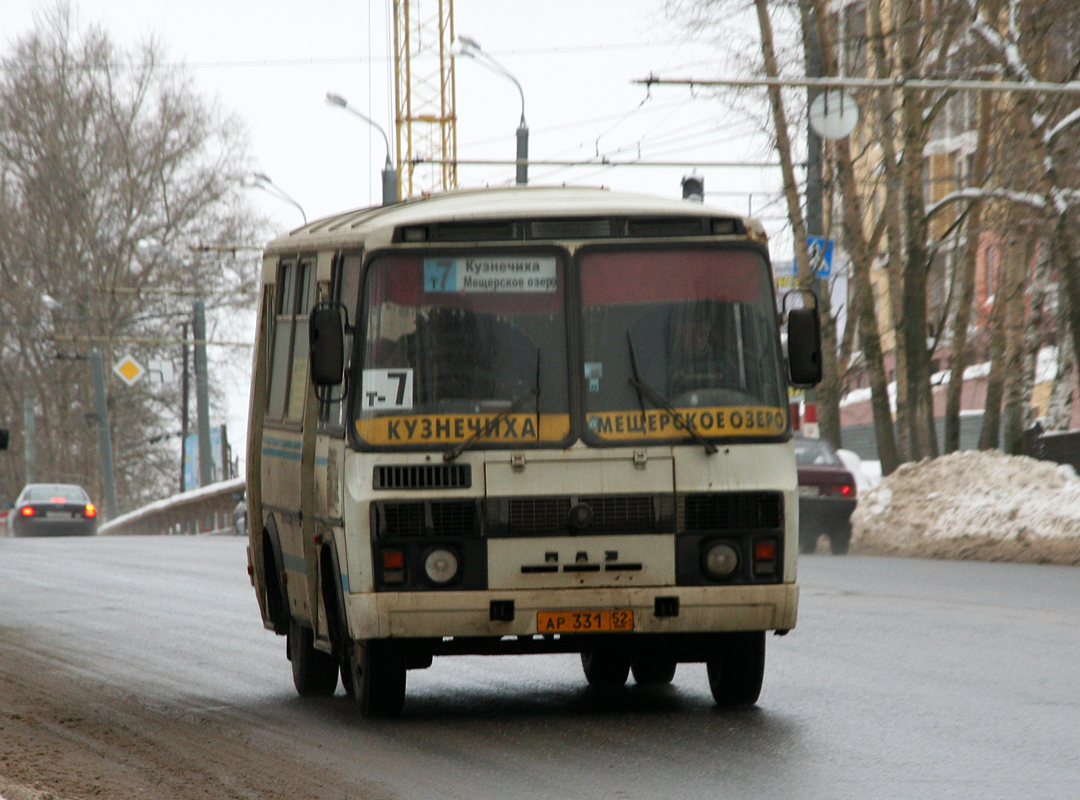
422	476
729	511
426	518
623	513
550	516
537	516
610	514
454	518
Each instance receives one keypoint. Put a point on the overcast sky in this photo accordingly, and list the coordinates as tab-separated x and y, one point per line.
271	63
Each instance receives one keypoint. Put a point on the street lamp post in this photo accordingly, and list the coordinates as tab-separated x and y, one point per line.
470	48
389	173
262	181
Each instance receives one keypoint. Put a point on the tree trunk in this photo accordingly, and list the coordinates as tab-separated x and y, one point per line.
886	113
1059	412
828	391
989	438
966	286
861	262
914	328
1017	387
1065	234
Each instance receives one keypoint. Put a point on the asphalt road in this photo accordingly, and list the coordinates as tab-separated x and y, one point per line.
139	667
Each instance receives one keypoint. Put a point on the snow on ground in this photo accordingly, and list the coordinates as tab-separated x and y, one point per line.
975	504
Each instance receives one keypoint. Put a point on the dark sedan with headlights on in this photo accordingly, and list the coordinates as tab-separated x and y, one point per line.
53	509
827	496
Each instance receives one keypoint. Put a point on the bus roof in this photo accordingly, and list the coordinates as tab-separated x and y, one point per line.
376	225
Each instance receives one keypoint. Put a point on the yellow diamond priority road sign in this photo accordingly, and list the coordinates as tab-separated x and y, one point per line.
129	370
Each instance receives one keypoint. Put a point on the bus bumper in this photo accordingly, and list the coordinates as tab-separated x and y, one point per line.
656	610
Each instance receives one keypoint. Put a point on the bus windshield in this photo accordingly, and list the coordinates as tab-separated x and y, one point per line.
460	346
689	330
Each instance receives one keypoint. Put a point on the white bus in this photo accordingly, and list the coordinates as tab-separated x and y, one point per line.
525	420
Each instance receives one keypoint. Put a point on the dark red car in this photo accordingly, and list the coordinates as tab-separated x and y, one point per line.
53	509
827	496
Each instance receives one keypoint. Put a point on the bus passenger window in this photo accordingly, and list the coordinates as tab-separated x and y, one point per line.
298	380
289	362
283	322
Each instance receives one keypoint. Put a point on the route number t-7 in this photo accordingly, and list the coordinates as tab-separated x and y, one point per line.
387	388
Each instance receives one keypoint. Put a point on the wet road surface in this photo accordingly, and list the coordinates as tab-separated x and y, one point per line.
904	679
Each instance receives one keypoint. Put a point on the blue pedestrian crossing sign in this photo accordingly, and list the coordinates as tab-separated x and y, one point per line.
820	250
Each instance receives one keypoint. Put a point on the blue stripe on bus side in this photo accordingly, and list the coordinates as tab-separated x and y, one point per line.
289	451
287	443
293	563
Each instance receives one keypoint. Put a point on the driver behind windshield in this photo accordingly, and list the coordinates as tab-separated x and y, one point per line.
700	353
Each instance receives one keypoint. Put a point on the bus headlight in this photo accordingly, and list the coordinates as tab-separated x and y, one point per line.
720	560
441	565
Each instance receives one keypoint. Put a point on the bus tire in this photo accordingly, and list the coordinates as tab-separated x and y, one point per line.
653	671
605	670
737	668
315	673
378	679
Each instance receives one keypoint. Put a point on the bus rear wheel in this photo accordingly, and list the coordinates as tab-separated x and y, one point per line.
377	669
315	673
605	669
653	671
737	669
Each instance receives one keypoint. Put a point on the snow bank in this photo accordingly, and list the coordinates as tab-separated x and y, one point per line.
973	504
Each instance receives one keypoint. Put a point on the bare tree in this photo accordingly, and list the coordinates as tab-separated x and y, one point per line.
101	150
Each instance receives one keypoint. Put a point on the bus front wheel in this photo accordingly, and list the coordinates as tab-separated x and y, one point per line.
377	671
737	669
315	673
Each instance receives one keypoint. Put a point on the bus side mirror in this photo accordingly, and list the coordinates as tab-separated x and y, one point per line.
3	438
326	337
804	347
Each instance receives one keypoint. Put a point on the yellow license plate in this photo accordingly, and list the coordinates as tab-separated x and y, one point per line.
584	621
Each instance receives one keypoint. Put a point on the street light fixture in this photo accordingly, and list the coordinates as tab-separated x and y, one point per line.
262	181
389	173
470	48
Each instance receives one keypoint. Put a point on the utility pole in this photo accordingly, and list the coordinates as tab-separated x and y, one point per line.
185	412
202	392
813	203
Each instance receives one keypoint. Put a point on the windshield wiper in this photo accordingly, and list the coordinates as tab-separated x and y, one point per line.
661	402
458	449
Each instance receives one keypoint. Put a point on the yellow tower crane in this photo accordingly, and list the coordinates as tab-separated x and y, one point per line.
425	116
